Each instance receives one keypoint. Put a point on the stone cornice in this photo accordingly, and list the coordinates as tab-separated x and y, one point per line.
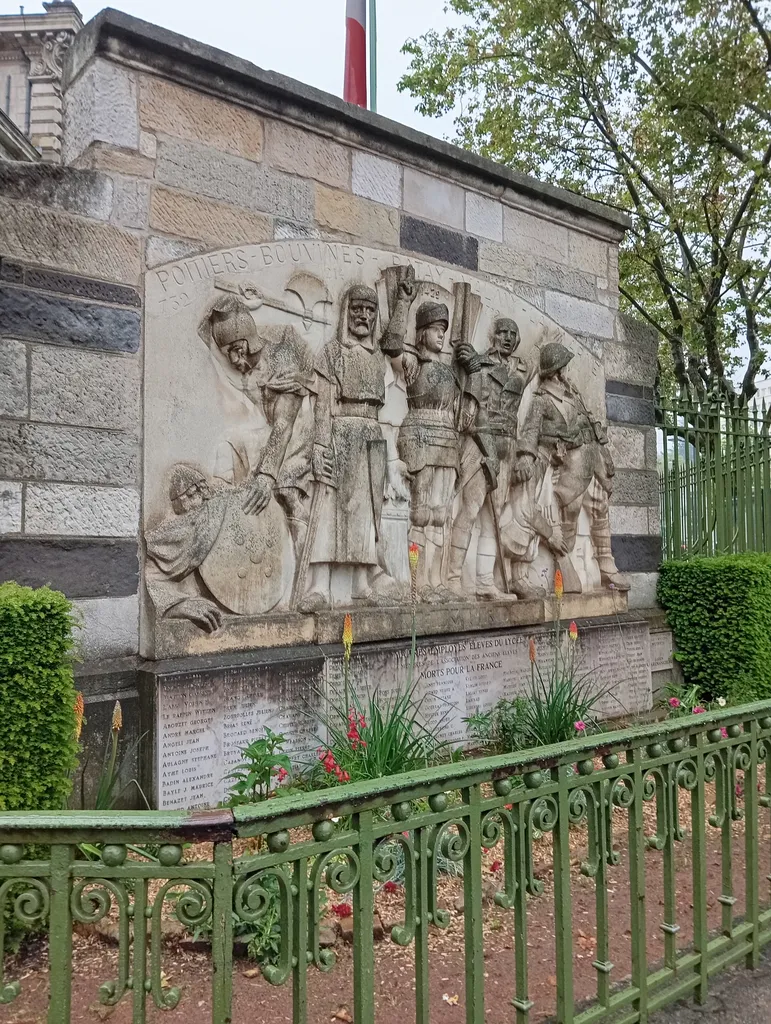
136	43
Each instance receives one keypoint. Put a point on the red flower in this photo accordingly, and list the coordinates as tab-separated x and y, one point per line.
496	866
674	702
699	710
342	909
390	887
282	774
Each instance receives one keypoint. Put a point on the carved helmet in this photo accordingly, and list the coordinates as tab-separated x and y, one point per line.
183	477
230	320
553	358
432	313
362	293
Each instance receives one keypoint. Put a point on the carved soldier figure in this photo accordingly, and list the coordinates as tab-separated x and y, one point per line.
276	368
486	458
559	432
349	451
428	442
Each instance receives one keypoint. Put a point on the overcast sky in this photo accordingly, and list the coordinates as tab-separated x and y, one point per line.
301	38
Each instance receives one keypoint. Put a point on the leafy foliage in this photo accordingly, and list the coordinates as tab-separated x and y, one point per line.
503	728
376	736
260	761
660	108
37	695
684	701
560	704
719	610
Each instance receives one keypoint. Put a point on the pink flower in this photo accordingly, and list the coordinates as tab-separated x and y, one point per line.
699	710
674	702
724	733
580	726
282	774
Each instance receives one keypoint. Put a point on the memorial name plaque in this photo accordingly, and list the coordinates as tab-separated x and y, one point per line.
662	650
204	718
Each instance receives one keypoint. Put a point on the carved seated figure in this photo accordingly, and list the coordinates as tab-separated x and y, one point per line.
178	546
210	555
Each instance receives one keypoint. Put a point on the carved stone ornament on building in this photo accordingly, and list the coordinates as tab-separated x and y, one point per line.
45	52
313	408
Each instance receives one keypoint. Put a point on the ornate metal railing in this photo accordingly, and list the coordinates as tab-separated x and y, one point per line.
714	477
351	839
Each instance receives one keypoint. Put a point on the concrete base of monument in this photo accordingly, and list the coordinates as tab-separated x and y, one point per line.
200	711
176	638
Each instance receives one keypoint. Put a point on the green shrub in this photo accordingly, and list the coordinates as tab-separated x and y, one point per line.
37	697
719	610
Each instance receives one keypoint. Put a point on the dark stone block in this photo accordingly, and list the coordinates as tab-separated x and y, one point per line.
441	243
84	287
101	685
13	272
621	409
620	387
635	553
34	316
79	567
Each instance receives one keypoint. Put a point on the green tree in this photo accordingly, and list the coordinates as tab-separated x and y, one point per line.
659	107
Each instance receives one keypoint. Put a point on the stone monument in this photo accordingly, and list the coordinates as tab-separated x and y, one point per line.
313	408
298	391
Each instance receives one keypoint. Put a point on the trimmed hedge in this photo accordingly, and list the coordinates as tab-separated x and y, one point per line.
719	610
37	699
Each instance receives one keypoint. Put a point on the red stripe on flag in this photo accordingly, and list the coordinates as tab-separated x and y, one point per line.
355	84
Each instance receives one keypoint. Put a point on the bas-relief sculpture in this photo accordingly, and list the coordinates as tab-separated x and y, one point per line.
304	398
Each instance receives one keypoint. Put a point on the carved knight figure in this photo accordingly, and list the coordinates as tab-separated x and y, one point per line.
559	433
486	459
349	451
429	445
275	368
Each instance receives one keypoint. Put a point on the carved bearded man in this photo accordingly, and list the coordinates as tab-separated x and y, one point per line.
487	456
428	443
349	452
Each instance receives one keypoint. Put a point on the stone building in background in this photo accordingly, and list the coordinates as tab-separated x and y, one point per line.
32	48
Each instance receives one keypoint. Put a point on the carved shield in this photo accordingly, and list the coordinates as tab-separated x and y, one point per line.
250	566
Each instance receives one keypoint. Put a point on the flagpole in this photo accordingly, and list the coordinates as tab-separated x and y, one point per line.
373	55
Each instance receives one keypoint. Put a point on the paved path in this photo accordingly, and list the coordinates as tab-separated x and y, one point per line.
737	996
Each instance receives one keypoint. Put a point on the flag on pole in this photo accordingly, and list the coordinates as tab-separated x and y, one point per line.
355	82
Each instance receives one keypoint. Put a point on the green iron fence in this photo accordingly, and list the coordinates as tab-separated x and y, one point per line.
625	789
715	478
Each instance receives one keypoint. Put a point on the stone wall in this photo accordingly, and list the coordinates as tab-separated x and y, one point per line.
172	149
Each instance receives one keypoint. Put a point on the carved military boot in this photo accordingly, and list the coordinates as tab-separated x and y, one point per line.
455	570
486	586
609	574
